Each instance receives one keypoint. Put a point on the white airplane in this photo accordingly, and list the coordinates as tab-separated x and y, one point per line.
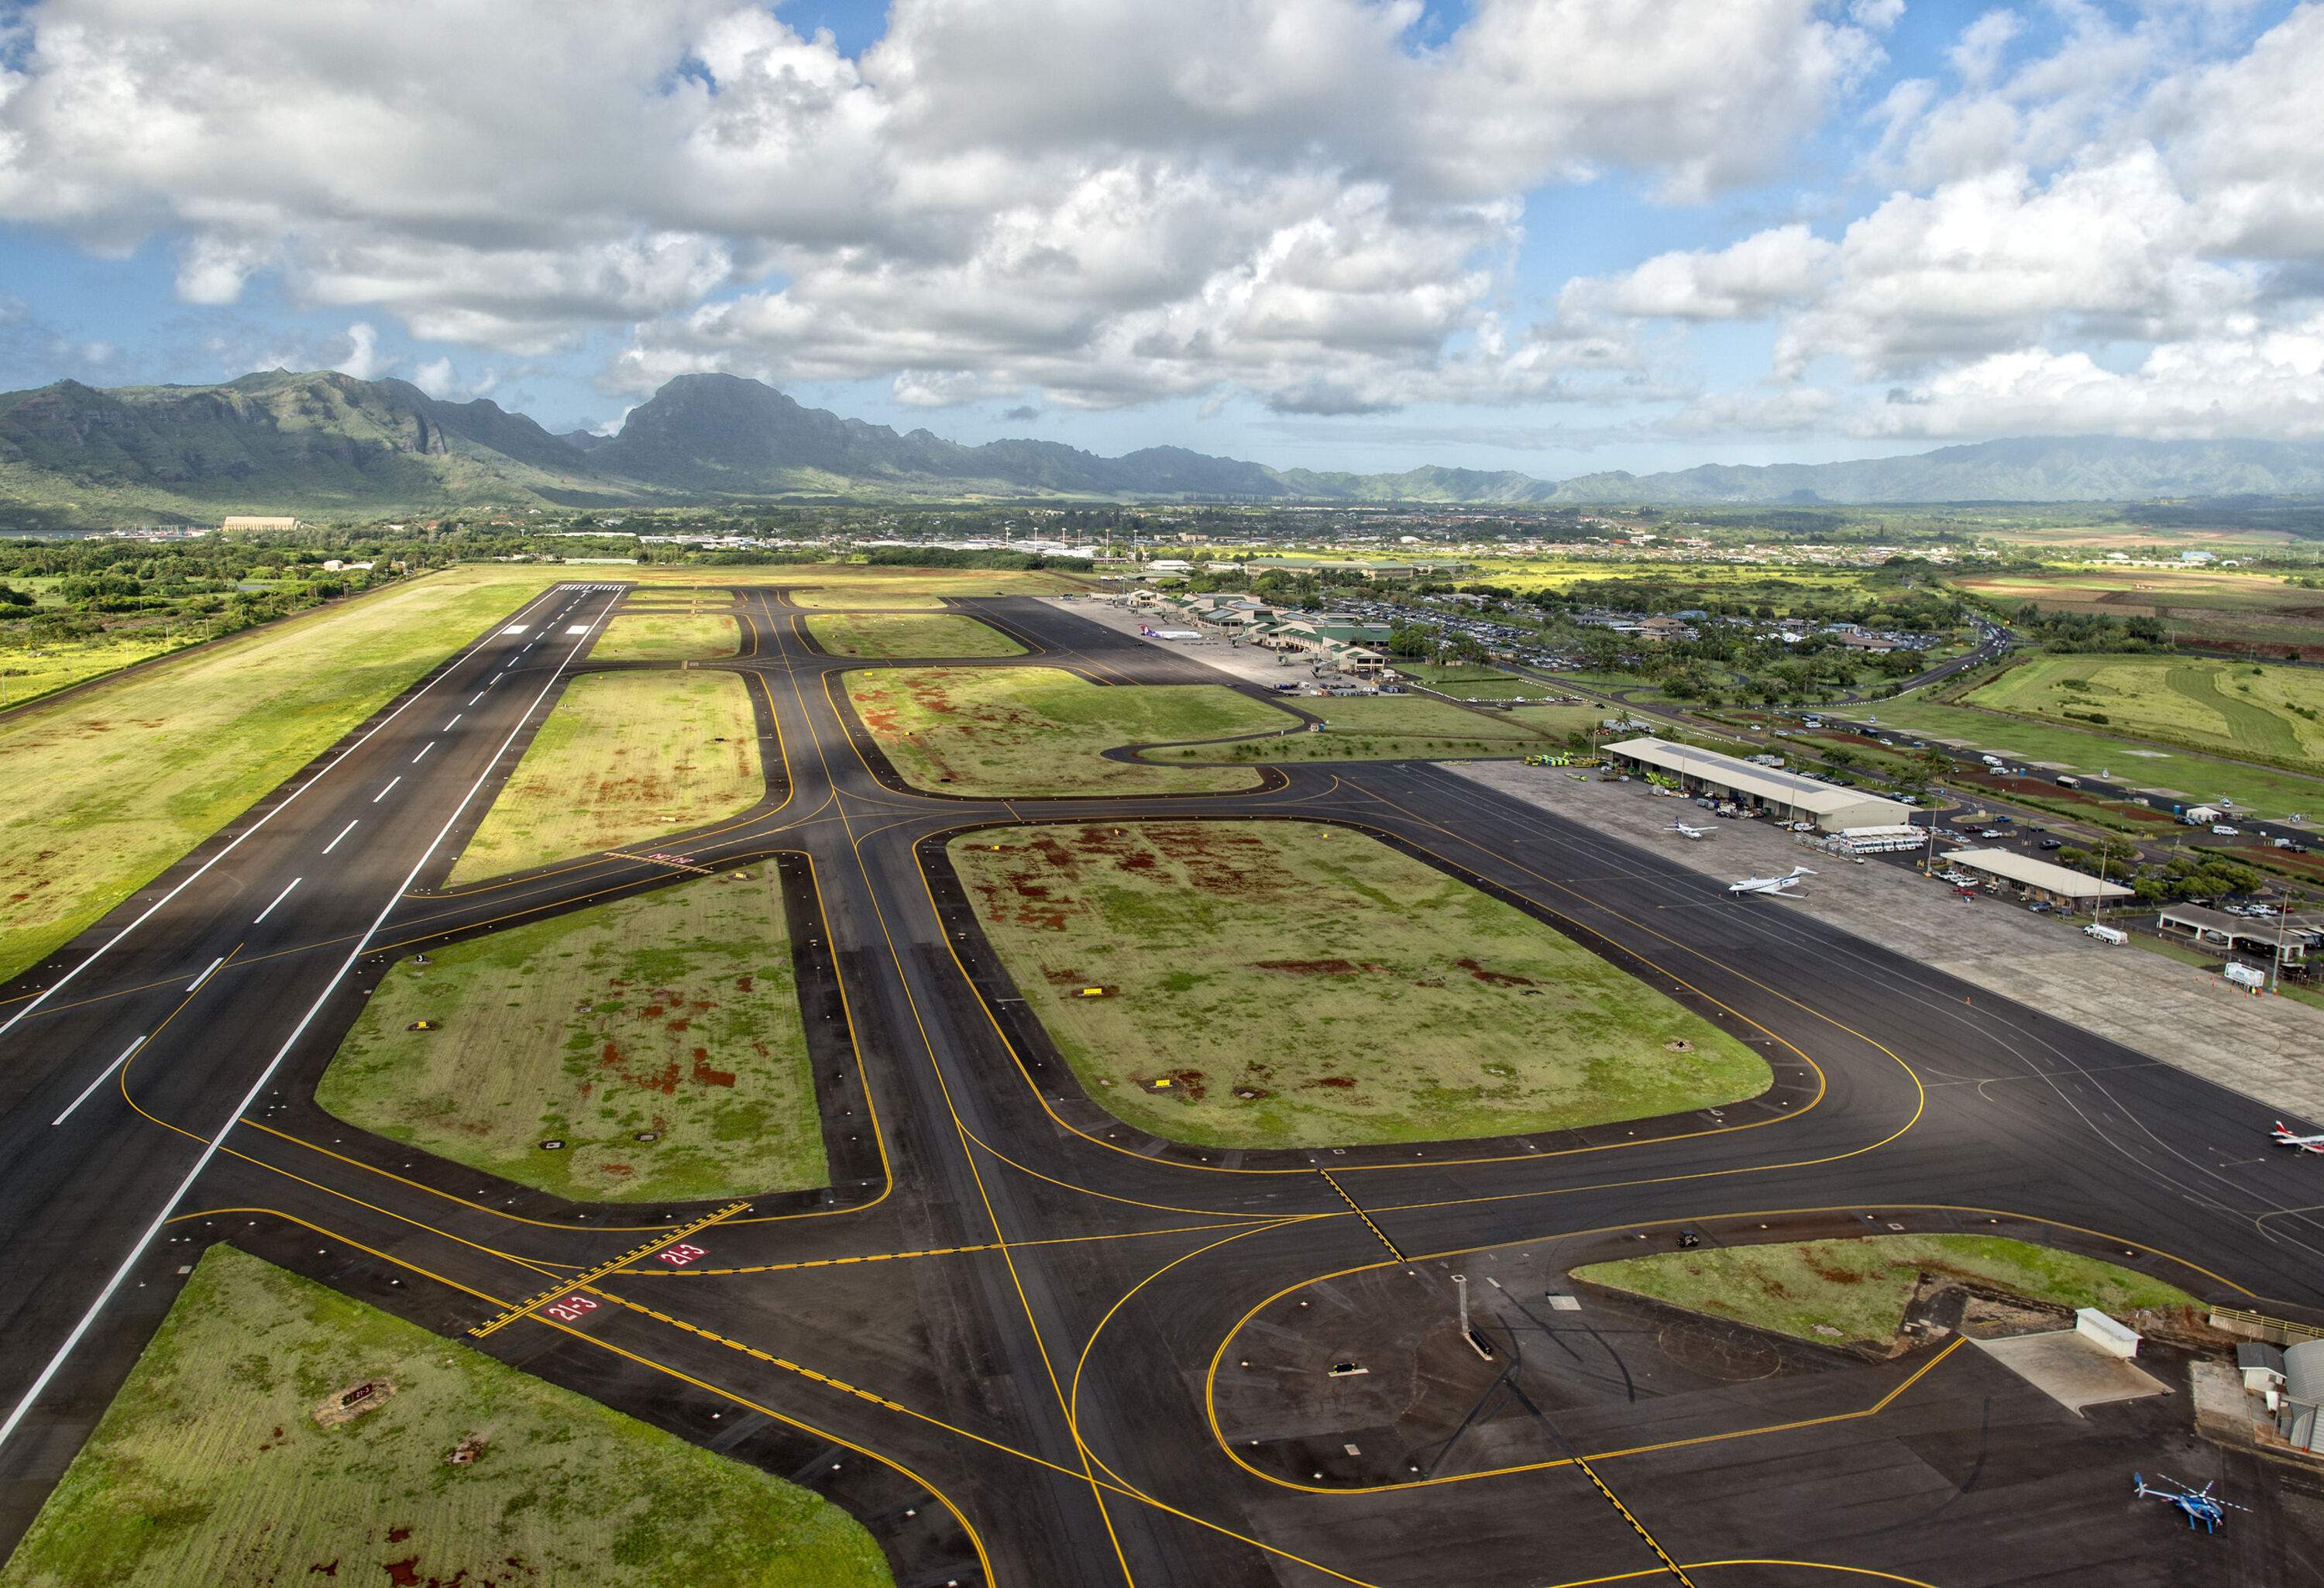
1779	886
2282	1136
1689	832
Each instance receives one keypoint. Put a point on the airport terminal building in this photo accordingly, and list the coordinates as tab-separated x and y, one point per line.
2036	880
1777	792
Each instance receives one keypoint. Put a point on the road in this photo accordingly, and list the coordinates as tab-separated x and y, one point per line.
1009	1336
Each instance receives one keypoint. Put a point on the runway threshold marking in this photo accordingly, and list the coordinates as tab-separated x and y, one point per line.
1360	1214
279	897
581	1281
93	1086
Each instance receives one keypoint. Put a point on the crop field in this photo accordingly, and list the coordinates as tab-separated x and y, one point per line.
1022	731
212	1466
1836	1291
134	773
2249	612
882	636
622	758
2237	708
653	636
1405	727
658	1038
1237	1011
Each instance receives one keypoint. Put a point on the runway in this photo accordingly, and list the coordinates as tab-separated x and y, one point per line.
1011	1315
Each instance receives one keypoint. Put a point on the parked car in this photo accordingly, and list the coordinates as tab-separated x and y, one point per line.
2222	830
2054	842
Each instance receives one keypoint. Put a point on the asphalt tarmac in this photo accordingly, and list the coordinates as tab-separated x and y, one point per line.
998	1338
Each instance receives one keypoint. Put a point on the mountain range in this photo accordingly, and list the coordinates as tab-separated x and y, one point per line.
327	445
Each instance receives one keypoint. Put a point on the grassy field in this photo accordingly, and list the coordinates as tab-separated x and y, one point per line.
1299	985
131	774
2088	751
210	1467
1024	732
1486	683
673	636
1405	727
1829	1291
28	673
827	585
2236	708
2226	609
674	1013
884	635
623	758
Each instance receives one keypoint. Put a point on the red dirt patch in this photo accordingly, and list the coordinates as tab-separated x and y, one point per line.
1308	967
404	1573
1343	1082
1495	978
705	1074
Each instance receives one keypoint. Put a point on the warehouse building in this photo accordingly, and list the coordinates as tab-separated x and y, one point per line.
2034	881
1778	793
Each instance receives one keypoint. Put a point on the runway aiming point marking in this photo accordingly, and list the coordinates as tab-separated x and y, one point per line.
576	628
679	1255
514	629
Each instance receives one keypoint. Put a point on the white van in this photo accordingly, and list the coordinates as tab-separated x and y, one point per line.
2114	935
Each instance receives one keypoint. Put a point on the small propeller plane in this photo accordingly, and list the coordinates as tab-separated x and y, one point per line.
1680	827
2283	1136
1779	886
2201	1505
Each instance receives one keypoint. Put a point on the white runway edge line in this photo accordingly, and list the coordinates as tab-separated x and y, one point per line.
383	793
101	949
93	1086
279	897
196	984
334	844
39	1385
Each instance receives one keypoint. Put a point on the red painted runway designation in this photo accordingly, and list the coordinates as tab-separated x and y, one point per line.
679	1255
569	1309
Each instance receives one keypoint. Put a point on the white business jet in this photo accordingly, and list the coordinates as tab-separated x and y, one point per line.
1781	887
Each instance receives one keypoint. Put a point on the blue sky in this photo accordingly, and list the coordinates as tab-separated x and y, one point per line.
1555	235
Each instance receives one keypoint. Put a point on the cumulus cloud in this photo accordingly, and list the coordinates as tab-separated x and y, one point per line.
1106	199
362	359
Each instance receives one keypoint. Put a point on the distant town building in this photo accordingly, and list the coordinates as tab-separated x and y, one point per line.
260	525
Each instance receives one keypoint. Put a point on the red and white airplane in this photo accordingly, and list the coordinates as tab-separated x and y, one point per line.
2283	1136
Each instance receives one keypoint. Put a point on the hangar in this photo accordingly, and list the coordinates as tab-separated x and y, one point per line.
1780	793
2037	880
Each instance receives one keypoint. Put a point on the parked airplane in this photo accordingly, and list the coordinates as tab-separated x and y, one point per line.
1683	827
1779	886
2198	1504
2283	1136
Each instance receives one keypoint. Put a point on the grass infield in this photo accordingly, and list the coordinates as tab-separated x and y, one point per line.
210	1467
123	779
1007	733
1407	728
674	1015
885	635
1298	986
665	636
623	758
1831	1291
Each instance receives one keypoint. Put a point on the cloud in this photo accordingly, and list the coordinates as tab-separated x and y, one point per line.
1105	200
363	358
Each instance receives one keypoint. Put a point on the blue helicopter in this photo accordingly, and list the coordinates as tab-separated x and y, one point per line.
2201	1505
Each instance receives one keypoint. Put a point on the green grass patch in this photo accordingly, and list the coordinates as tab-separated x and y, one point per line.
1857	1289
1304	987
30	672
624	758
872	599
886	635
2235	708
675	1013
118	781
209	1467
1486	683
665	636
1022	731
1405	727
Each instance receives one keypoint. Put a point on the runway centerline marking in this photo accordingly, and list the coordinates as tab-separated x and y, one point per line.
93	1086
334	844
383	793
216	1142
279	897
424	749
454	722
195	984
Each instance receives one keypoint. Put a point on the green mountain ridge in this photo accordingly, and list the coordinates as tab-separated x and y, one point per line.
328	445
